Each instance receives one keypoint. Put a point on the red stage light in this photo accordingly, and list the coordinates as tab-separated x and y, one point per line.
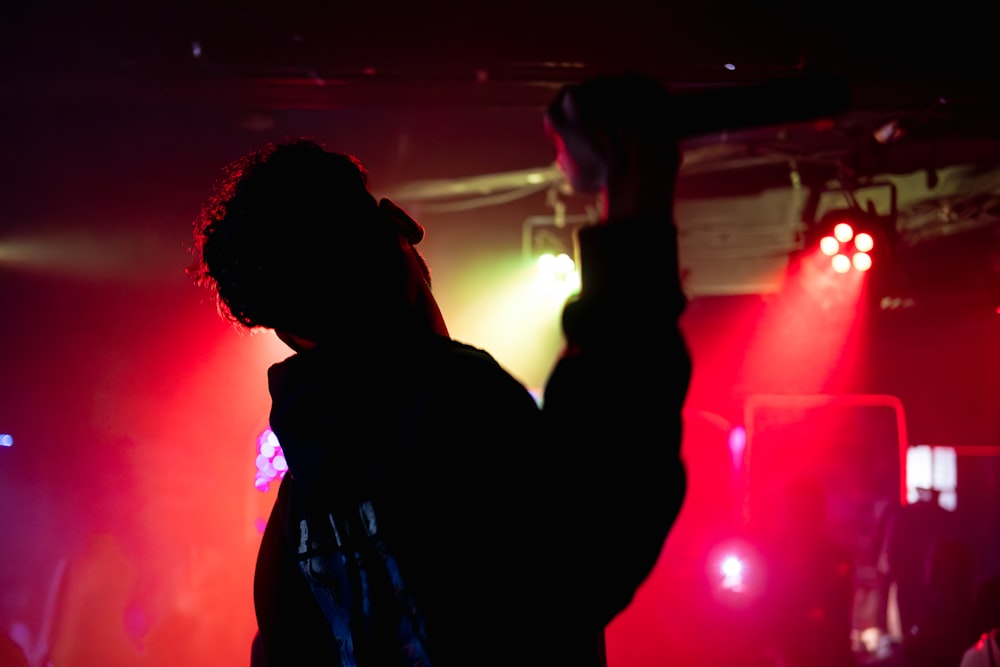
845	245
864	242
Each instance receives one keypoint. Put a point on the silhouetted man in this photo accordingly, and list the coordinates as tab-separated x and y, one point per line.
518	533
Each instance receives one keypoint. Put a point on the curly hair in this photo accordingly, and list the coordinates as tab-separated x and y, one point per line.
292	237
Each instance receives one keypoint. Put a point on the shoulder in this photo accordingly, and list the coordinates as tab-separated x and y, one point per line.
461	360
473	380
463	352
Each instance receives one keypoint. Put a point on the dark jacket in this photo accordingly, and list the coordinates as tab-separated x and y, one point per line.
520	532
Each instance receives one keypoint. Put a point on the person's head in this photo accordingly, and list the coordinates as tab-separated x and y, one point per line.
607	121
928	495
986	606
293	240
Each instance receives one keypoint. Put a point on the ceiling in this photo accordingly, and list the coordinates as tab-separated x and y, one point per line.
844	72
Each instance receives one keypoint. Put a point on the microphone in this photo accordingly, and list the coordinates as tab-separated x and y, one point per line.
746	106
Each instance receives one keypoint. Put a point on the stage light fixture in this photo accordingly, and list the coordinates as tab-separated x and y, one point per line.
849	238
550	242
851	230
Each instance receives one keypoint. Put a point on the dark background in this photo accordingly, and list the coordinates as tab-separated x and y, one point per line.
134	408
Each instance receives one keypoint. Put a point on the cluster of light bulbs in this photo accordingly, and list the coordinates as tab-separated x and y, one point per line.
558	271
271	464
847	249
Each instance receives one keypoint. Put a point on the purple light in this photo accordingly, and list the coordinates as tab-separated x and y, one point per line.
270	461
737	445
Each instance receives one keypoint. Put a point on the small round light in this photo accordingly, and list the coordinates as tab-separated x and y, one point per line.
864	242
843	232
564	263
862	261
547	263
732	567
841	263
829	246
